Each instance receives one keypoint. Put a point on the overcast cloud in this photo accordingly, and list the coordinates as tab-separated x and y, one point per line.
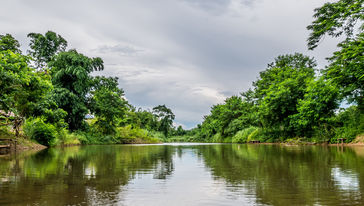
187	54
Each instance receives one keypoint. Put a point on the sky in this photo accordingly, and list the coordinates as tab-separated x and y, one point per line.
186	54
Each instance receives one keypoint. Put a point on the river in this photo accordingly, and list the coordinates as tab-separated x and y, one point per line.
184	174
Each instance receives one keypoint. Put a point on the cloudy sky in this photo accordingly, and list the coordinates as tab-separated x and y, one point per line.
187	54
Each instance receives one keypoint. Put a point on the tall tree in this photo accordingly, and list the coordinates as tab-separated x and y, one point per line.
279	89
72	80
346	69
44	47
335	19
22	88
107	103
165	116
316	108
338	18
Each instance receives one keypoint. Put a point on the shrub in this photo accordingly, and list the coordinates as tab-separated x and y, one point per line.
43	133
129	135
217	138
89	137
349	124
70	138
244	135
257	134
158	135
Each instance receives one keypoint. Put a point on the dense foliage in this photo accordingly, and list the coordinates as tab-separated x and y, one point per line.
292	99
49	94
55	97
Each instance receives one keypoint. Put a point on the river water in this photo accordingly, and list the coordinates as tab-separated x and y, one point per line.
184	174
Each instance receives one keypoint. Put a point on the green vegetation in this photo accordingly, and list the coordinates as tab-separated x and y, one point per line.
47	94
292	99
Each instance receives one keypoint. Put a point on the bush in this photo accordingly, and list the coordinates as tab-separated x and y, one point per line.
158	135
70	138
129	135
258	134
217	138
245	135
43	133
349	124
195	138
89	137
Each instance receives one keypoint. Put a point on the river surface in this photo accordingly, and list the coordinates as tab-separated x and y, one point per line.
184	174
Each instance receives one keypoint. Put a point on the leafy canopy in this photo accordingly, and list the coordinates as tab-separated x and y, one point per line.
279	89
166	117
44	47
335	19
346	66
107	103
72	81
7	42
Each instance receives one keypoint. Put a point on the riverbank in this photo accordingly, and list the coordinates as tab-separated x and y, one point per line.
358	141
24	144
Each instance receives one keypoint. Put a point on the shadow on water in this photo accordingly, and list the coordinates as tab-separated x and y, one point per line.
271	174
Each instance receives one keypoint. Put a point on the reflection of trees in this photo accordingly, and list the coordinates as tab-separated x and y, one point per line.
164	166
96	174
286	175
72	175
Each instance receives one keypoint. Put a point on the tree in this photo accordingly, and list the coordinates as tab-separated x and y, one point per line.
335	19
230	117
72	81
22	88
44	47
346	69
165	116
316	108
180	131
346	66
145	120
107	103
7	42
279	90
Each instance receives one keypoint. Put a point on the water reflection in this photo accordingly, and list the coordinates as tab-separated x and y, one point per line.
184	174
296	175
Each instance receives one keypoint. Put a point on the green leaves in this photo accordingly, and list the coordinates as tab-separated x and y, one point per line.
346	66
165	116
228	118
317	106
23	89
44	47
279	89
335	19
107	103
71	76
286	101
7	42
346	69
